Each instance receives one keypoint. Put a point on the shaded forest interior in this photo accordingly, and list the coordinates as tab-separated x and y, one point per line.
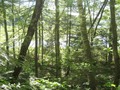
59	45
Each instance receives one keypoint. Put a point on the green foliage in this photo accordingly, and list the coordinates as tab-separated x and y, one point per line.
43	84
11	86
109	84
33	84
69	2
109	49
118	88
74	66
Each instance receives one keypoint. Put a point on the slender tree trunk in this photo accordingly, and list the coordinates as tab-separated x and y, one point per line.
110	46
5	28
100	14
113	28
86	44
69	40
31	30
57	44
13	28
42	43
36	53
19	37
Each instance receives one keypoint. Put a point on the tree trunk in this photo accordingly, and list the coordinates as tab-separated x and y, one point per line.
86	45
13	28
57	44
31	29
42	43
110	46
68	39
5	28
113	28
36	53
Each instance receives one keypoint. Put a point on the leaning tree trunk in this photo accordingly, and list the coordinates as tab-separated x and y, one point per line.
86	45
113	28
31	30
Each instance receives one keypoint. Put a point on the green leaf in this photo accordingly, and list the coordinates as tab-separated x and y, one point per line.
113	85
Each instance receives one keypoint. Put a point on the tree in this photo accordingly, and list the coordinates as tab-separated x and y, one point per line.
13	28
31	30
57	44
86	44
113	28
69	26
78	44
36	53
5	28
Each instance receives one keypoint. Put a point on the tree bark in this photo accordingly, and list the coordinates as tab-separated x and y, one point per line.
13	28
6	31
31	29
86	45
110	55
57	44
36	53
68	38
113	28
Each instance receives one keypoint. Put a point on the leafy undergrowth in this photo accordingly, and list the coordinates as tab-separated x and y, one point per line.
32	84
